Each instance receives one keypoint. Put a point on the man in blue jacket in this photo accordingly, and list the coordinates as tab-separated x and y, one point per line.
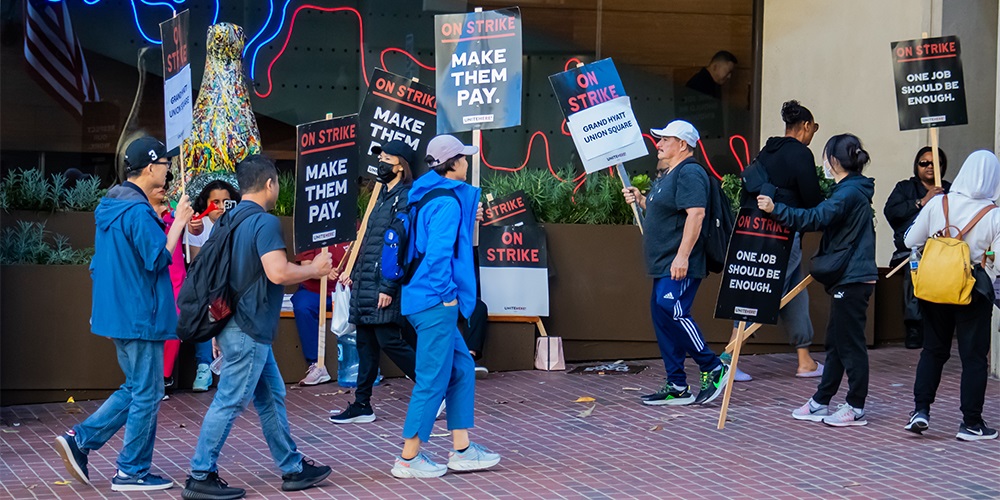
443	284
134	306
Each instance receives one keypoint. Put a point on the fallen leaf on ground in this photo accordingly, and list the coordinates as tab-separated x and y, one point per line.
61	483
852	484
181	426
631	389
586	413
32	487
938	449
73	409
296	387
584	399
10	431
499	401
656	428
331	393
70	400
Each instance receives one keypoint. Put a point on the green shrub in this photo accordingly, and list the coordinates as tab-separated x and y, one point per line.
30	243
597	201
285	206
732	185
29	189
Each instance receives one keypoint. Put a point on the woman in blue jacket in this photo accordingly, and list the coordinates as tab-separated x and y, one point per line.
443	284
845	265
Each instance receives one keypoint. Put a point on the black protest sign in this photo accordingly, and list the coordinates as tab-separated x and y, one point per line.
513	274
930	89
755	269
395	109
478	56
510	210
326	187
585	86
177	95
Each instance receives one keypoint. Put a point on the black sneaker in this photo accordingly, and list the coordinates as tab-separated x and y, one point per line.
211	488
975	432
668	395
919	422
712	384
74	458
354	414
309	476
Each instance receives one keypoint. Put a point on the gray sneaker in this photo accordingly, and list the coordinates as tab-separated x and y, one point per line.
475	457
811	411
419	466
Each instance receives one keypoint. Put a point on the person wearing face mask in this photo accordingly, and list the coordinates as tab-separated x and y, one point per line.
901	209
787	164
972	196
845	265
374	299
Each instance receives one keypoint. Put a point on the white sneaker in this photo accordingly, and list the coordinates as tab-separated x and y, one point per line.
315	376
440	409
482	372
846	416
474	458
419	466
811	411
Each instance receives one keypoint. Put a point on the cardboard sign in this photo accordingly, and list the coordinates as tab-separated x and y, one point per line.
930	89
478	57
606	134
395	108
513	274
510	210
326	187
754	276
178	102
586	86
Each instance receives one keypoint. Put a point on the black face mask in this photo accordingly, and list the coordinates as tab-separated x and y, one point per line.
385	174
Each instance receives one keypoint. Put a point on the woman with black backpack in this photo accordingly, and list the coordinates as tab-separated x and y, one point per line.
845	265
374	299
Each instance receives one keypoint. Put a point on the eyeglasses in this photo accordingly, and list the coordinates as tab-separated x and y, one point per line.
925	163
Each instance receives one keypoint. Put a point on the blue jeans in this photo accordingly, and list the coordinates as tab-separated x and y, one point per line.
445	371
305	304
134	405
676	332
203	352
249	371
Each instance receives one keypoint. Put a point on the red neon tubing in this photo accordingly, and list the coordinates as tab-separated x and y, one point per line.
746	151
407	54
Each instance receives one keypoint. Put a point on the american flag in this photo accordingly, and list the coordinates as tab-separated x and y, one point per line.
54	54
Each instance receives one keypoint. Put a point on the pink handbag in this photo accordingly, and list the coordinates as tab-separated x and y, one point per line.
548	351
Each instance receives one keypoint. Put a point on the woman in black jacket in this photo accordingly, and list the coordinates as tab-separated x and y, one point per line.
374	299
904	203
845	264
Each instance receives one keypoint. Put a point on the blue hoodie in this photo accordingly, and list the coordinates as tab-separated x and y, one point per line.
133	297
443	276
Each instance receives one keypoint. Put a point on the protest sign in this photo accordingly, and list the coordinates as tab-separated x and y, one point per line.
395	109
478	56
606	134
177	99
755	269
326	188
930	89
510	210
513	274
585	86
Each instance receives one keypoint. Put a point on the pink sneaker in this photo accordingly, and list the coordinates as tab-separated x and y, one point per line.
811	411
846	416
315	376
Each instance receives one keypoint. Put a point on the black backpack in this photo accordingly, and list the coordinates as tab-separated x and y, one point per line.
717	227
397	264
206	301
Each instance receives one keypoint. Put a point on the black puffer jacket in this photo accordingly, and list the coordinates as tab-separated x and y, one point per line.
367	273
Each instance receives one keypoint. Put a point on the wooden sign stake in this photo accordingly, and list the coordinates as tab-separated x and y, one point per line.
731	376
743	335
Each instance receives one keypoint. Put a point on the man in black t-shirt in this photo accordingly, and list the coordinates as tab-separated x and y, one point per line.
261	268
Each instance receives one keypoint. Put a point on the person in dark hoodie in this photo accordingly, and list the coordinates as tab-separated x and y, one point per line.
443	285
905	202
374	299
845	265
788	165
134	307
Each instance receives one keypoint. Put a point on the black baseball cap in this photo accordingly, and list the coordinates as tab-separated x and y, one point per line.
145	150
397	148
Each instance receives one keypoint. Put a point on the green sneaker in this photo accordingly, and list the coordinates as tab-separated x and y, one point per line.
712	384
669	395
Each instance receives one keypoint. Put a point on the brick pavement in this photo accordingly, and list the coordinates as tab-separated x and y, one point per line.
622	450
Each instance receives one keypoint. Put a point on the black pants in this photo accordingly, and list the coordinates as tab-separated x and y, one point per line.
386	337
911	314
845	345
973	323
474	331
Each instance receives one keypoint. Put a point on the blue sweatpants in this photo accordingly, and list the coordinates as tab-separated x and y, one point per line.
305	304
445	371
676	332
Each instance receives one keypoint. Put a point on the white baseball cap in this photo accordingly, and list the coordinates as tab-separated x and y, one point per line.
679	129
445	147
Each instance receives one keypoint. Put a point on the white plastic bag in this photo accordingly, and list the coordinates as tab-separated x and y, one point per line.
340	323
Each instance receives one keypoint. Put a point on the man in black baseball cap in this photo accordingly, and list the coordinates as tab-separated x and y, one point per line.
144	151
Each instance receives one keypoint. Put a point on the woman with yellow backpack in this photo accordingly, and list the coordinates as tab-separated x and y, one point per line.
961	221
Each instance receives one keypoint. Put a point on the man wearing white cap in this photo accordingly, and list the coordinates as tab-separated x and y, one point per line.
675	259
443	283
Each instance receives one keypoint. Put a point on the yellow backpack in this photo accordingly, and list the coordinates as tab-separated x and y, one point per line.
944	275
